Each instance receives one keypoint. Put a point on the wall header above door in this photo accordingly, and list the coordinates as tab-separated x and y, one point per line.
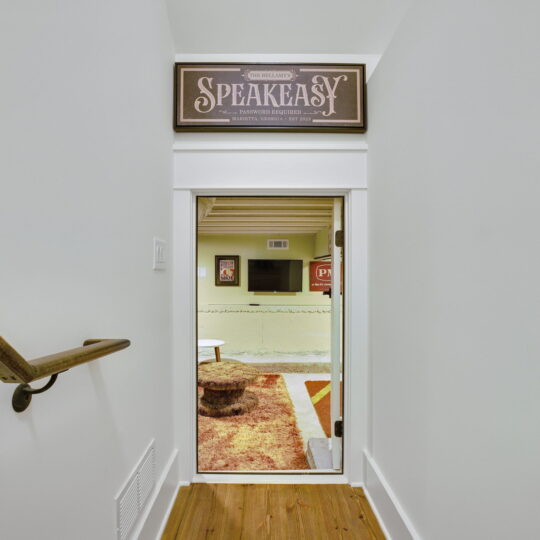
270	97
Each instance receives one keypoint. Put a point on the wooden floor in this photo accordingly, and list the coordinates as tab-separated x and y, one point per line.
264	511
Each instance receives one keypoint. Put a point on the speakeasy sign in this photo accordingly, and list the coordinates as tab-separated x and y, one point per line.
280	97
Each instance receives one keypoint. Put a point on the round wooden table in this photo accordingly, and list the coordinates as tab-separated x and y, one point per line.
225	391
215	343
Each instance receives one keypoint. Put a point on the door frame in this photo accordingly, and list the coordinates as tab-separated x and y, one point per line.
355	313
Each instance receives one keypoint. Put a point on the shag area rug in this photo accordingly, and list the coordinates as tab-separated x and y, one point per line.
284	367
264	439
293	367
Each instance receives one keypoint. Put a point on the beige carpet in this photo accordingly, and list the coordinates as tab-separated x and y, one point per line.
265	439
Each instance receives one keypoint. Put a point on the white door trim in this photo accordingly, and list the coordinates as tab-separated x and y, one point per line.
185	311
289	166
336	353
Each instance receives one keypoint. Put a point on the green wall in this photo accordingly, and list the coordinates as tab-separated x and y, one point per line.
247	246
282	322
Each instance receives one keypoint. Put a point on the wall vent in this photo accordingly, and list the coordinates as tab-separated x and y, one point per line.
128	509
147	478
133	497
277	244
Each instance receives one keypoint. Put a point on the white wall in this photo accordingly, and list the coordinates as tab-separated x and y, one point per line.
302	26
85	182
454	287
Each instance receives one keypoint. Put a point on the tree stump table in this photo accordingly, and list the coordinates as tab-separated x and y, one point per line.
225	391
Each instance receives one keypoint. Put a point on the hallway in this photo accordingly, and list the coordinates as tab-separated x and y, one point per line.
271	511
98	220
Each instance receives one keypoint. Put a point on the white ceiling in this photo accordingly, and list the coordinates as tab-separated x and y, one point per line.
284	26
264	215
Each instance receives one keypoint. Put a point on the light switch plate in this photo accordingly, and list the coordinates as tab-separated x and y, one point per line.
159	254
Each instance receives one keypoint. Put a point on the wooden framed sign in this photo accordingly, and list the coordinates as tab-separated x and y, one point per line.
270	97
227	270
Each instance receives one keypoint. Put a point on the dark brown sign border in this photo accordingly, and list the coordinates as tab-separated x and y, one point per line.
262	128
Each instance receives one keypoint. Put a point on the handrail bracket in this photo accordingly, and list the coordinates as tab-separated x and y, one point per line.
24	392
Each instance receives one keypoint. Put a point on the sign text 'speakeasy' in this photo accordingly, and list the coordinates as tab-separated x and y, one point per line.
270	96
320	94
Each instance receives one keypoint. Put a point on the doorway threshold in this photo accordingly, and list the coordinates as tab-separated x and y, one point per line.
285	477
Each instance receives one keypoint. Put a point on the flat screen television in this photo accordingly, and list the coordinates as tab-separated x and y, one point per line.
274	275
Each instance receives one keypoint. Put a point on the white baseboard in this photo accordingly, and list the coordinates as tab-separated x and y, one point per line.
392	518
261	478
156	514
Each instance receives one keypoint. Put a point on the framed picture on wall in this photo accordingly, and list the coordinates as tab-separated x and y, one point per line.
227	270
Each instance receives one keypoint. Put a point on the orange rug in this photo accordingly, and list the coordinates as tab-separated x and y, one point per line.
319	392
265	439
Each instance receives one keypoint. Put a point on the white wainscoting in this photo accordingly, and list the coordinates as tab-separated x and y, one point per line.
267	330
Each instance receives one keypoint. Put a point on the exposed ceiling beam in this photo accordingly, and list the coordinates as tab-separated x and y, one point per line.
259	231
277	227
268	232
265	219
264	215
270	212
204	207
271	203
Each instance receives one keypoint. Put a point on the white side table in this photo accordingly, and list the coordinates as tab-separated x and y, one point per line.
215	343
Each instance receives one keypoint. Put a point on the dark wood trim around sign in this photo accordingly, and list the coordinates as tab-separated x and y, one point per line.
276	129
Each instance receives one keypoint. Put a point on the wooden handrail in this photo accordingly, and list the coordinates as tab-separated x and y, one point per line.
15	369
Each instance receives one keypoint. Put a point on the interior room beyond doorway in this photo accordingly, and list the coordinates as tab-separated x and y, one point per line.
263	303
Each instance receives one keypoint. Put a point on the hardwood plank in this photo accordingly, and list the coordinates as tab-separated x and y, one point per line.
225	519
284	519
348	514
368	515
256	518
177	513
200	506
330	517
229	525
311	513
271	512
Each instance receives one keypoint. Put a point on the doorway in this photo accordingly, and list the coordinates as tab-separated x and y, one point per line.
269	333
